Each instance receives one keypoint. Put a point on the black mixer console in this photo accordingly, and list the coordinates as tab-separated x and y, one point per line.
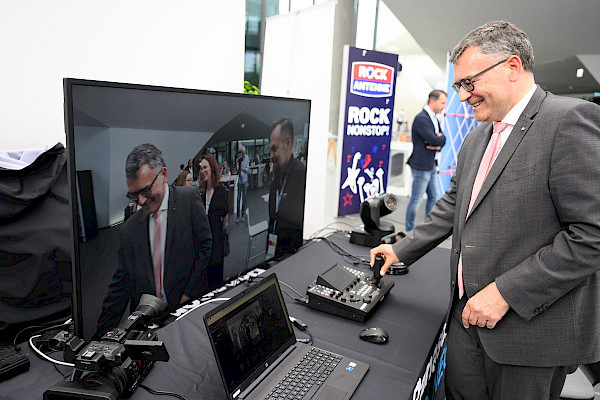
347	292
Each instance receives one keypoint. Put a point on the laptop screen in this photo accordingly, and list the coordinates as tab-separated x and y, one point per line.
249	332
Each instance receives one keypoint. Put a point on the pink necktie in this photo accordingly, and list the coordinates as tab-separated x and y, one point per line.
484	168
156	256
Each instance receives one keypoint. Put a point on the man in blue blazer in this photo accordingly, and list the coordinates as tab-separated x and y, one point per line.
523	213
427	138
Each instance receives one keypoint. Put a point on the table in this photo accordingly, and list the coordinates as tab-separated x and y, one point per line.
412	315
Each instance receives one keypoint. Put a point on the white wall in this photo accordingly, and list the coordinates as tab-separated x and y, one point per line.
419	76
195	44
297	63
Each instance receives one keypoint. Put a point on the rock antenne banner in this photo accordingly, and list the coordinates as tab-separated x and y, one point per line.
366	121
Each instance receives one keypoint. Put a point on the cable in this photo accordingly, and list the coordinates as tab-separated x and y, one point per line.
291	288
310	335
302	300
356	260
44	356
304	328
333	229
200	305
161	393
65	376
320	233
45	328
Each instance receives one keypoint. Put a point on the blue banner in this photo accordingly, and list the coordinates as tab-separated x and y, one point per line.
367	127
459	120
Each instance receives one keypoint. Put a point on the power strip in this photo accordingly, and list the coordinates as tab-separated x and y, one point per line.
12	363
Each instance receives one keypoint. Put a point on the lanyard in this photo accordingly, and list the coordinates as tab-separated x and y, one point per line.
280	195
277	201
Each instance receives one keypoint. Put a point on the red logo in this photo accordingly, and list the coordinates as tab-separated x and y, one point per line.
372	79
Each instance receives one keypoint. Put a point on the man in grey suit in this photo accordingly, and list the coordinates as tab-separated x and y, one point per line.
163	249
524	216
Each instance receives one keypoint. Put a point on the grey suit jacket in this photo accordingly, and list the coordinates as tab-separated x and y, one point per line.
534	229
187	251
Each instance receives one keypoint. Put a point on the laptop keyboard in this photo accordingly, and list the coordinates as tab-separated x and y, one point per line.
306	377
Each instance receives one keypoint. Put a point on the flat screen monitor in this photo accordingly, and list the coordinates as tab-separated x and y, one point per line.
105	121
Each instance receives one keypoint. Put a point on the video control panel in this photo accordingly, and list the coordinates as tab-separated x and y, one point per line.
347	292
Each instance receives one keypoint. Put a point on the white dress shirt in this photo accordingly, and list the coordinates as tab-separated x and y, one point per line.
512	117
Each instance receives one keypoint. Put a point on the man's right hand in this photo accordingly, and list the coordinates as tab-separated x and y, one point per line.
388	254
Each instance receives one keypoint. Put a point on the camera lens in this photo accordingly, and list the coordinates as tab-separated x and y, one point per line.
390	201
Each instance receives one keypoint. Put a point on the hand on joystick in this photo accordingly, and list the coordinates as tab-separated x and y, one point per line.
377	269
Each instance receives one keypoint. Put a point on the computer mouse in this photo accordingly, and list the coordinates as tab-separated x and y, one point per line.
374	335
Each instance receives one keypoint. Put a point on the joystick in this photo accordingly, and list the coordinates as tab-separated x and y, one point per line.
377	269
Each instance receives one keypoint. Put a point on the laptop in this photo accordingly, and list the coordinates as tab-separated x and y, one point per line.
259	358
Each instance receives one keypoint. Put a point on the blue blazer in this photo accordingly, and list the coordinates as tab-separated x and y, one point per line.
423	134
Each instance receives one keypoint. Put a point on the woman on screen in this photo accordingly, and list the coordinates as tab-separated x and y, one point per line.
184	178
214	198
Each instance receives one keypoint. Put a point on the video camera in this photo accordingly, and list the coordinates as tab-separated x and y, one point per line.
116	364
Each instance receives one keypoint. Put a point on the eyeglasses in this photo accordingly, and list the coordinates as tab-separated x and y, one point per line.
467	83
143	192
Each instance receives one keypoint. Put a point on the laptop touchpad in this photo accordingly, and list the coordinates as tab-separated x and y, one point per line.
331	393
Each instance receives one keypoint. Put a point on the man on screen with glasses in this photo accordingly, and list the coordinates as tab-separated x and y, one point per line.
165	248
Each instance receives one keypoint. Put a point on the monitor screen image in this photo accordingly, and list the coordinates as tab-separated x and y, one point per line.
253	147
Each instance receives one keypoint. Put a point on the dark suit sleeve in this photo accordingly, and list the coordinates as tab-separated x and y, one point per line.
423	127
202	246
118	295
572	256
434	230
439	223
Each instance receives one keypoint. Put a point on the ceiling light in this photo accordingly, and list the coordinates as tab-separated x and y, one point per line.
579	73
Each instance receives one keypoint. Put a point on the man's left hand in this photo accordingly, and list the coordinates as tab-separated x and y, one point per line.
486	308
